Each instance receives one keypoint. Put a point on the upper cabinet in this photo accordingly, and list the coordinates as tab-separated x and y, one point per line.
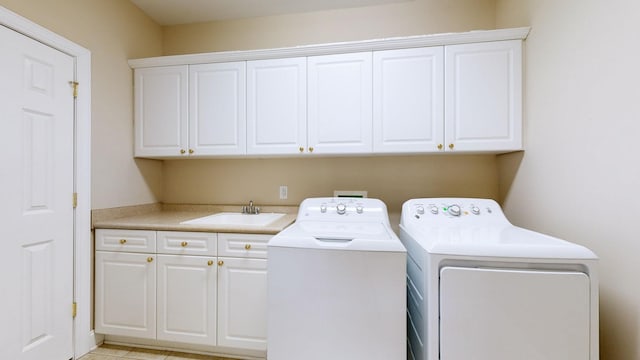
425	94
483	96
408	100
277	106
161	111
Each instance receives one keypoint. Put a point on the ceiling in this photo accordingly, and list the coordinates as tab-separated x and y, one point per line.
175	12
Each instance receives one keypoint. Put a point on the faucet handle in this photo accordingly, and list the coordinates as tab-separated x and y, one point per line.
257	211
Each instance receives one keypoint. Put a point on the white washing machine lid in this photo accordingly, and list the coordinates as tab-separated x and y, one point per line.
495	241
354	236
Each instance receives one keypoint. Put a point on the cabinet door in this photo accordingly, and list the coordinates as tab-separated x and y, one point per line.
483	96
242	303
276	106
217	109
340	100
187	299
408	100
161	111
125	294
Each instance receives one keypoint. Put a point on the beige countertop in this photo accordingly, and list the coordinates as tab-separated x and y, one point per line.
168	217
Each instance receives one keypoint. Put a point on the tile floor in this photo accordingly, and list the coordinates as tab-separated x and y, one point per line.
113	352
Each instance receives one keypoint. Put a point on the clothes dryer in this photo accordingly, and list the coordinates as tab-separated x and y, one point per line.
336	284
481	288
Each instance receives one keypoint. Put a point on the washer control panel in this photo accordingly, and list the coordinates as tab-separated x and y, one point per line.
456	210
338	208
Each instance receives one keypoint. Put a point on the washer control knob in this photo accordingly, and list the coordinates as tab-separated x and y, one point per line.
359	209
323	208
454	210
420	210
475	210
341	208
434	209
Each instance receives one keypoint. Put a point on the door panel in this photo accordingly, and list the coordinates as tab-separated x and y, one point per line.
36	139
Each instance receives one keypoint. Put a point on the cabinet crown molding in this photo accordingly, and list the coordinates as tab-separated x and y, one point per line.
337	48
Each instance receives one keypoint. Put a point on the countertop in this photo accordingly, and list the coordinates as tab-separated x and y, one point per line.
167	217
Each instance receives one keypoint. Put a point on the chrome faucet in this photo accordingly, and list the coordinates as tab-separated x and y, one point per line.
250	209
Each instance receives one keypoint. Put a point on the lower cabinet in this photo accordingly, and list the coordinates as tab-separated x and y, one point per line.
158	289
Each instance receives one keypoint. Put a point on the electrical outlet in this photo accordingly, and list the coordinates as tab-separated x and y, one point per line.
284	190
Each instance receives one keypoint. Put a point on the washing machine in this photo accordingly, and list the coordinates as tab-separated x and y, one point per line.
336	284
481	288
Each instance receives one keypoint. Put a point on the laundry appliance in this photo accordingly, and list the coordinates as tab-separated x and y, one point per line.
481	288
336	284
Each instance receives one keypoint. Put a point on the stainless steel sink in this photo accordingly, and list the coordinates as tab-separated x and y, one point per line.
229	218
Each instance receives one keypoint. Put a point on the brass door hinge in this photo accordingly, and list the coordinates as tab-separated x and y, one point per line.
75	200
74	310
75	85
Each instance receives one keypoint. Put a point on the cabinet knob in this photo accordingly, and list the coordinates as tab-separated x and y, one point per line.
247	247
191	151
311	149
210	262
301	149
440	146
123	241
184	244
451	146
182	151
149	259
220	263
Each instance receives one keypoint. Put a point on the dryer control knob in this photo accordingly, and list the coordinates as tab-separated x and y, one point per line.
420	210
434	209
341	209
475	210
454	210
323	208
359	209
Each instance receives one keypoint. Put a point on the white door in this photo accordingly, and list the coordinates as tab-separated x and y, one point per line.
408	100
242	303
277	106
36	208
340	100
187	299
161	111
217	108
483	96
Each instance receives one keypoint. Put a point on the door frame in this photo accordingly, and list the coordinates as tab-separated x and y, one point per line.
84	338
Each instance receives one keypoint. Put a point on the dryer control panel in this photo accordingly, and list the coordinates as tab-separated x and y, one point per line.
452	210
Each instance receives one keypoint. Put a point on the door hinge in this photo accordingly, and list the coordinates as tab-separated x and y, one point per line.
75	85
74	309
75	200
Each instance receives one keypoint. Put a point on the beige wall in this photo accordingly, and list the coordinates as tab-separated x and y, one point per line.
579	177
393	179
114	31
415	17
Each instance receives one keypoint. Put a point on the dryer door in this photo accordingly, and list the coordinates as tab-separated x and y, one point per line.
506	314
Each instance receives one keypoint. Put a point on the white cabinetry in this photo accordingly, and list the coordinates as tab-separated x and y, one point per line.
161	111
340	101
408	100
483	96
217	109
242	291
277	106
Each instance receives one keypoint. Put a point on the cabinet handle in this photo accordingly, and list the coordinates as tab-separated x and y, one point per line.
301	149
149	259
182	151
210	262
247	247
184	244
191	151
220	263
440	146
451	146
311	149
123	241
